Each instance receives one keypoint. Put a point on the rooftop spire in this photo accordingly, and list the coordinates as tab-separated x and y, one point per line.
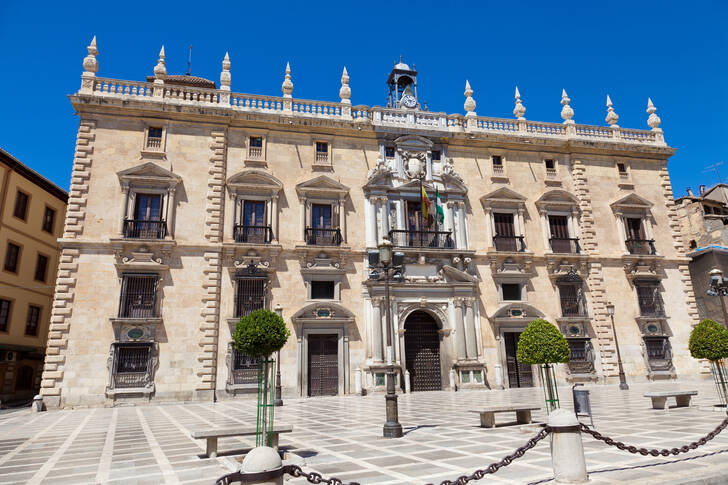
612	116
345	91
90	64
469	101
287	86
567	112
225	74
519	110
160	70
653	120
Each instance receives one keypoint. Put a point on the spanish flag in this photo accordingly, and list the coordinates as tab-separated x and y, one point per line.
425	205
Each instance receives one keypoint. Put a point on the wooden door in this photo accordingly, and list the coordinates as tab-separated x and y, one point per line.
323	365
519	375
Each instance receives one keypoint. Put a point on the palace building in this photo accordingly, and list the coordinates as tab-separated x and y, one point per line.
192	205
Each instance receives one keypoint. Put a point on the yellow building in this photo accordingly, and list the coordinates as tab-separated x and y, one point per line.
32	210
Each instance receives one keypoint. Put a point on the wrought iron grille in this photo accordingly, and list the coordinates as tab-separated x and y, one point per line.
323	237
641	246
132	366
659	353
421	239
253	234
245	368
650	301
138	296
565	245
509	243
141	229
249	295
581	360
572	301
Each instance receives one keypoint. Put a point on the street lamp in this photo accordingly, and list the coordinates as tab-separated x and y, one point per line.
622	379
278	401
390	264
719	288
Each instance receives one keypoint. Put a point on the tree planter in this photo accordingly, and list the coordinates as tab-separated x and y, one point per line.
709	340
266	396
550	390
720	376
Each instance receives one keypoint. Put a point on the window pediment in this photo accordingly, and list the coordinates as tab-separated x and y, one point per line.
557	199
413	143
631	202
323	312
254	181
322	186
517	311
149	175
503	197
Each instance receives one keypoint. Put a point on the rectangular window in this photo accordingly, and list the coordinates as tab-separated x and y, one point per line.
253	213
550	164
650	301
131	369
322	152
511	291
147	220
256	141
435	155
322	290
41	268
12	255
31	324
154	138
505	233
138	296
255	148
49	219
249	296
21	205
415	222
389	152
497	161
148	207
572	300
622	168
634	228
4	315
321	216
245	368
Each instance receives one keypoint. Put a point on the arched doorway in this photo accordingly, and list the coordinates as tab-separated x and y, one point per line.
422	352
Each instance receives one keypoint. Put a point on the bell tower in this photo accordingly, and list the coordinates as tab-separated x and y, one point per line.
402	87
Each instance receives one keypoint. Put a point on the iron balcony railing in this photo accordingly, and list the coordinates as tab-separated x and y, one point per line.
253	234
573	307
651	306
659	353
323	237
139	297
245	368
641	246
421	239
514	244
140	229
131	379
565	245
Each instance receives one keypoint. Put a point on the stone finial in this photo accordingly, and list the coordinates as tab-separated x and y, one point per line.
90	64
566	112
469	101
160	70
345	91
519	110
612	117
287	86
653	121
225	77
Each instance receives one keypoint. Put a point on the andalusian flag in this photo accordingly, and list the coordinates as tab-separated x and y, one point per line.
438	207
425	205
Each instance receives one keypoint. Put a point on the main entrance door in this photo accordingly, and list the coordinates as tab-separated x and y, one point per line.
519	375
422	352
323	365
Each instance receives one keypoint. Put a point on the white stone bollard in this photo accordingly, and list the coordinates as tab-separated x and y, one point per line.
567	451
37	404
407	384
263	461
453	383
498	376
357	381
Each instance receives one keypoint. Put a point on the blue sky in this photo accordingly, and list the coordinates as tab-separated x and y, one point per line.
631	50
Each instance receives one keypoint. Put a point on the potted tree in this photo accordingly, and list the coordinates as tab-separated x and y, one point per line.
709	340
542	344
260	334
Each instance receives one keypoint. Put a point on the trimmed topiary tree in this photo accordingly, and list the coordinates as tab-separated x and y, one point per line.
260	334
709	340
542	344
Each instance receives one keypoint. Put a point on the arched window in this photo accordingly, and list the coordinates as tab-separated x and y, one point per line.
24	379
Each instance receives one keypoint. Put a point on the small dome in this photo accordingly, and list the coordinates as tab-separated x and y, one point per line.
186	80
401	65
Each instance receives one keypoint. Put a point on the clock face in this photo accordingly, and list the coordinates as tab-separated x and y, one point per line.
409	101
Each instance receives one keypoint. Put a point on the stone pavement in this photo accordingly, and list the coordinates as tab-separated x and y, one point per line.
341	436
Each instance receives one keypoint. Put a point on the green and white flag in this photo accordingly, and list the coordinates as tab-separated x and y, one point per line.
440	214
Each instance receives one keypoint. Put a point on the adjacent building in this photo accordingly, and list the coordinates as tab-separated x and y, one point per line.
32	210
192	205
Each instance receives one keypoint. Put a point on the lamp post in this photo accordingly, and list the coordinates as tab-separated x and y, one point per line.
278	401
390	264
719	288
622	379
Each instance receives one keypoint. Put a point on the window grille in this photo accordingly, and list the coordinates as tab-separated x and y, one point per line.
245	368
572	300
249	295
138	296
650	301
132	367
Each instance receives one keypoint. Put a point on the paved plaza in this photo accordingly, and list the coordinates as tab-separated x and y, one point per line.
341	436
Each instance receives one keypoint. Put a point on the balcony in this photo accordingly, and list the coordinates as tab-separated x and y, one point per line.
252	234
255	153
421	239
565	245
641	246
141	229
323	237
127	380
573	307
513	244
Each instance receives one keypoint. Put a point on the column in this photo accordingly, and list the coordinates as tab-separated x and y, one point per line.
450	221
521	223
488	228
461	242
401	218
384	214
470	337
371	222
377	329
170	217
274	217
459	329
342	216
621	232
428	167
545	230
124	207
303	218
574	223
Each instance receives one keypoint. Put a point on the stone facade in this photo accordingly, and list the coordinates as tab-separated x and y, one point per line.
194	205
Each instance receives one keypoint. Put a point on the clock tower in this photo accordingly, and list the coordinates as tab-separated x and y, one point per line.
402	87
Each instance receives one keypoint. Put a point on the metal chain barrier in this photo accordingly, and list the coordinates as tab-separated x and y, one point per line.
313	477
655	452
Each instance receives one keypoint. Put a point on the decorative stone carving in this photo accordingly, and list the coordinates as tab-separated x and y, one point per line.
653	121
160	70
225	77
645	269
612	116
519	110
345	91
379	171
90	64
287	86
469	101
414	163
567	113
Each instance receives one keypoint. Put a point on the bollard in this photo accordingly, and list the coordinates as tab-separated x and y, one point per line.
453	383
37	404
357	382
262	466
567	451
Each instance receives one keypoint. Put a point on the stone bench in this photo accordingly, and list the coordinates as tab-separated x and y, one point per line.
659	399
212	435
487	415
